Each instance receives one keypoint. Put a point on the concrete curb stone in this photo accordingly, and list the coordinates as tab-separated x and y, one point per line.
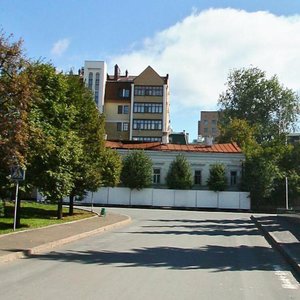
285	252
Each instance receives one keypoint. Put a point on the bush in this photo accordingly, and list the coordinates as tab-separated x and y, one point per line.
137	170
217	179
179	174
2	208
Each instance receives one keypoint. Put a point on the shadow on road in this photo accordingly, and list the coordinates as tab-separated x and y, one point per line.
215	258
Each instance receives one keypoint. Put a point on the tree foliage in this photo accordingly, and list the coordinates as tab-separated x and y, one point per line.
240	131
290	166
179	174
16	91
217	180
56	147
88	125
263	103
137	170
257	113
111	163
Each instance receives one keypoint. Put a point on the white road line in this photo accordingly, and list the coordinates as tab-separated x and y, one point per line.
286	279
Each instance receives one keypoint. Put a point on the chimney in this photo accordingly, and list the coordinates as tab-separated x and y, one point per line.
126	73
165	138
208	141
117	72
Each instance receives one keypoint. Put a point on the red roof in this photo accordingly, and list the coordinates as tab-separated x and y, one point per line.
157	146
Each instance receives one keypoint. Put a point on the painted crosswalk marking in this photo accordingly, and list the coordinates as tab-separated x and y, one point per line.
286	279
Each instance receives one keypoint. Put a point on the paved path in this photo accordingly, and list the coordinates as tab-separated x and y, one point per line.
24	243
161	254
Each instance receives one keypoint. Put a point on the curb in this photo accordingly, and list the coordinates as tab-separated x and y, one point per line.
288	256
48	246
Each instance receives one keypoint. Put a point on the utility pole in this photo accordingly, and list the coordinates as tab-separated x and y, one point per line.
286	184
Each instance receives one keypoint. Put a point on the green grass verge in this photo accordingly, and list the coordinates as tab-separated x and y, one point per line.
35	215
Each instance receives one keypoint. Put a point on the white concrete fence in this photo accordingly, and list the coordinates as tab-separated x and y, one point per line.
170	198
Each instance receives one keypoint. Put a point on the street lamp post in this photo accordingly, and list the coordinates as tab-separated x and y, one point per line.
286	184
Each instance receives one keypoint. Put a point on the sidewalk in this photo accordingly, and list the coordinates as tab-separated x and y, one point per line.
284	235
24	243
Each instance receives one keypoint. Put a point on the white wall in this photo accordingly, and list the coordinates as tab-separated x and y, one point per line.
170	198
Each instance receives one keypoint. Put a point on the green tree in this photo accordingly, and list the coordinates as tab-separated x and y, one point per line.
240	131
262	173
55	145
111	163
263	103
179	174
137	170
217	180
88	125
290	166
16	90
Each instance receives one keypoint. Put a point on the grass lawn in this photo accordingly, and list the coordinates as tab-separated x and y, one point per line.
34	215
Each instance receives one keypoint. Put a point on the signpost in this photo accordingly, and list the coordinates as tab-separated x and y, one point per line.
17	174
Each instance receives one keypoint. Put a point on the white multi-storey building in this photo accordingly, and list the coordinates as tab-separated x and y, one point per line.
95	78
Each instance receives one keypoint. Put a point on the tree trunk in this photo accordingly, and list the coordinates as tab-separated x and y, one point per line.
59	209
71	205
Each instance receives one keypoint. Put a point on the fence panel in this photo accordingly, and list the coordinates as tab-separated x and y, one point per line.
163	197
119	196
207	199
185	198
229	200
245	201
170	198
142	197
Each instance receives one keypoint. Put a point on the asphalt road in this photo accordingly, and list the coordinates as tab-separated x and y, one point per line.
161	255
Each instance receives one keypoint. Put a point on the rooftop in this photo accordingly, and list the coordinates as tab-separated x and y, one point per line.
157	146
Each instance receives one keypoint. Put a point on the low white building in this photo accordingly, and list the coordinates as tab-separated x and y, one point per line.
200	157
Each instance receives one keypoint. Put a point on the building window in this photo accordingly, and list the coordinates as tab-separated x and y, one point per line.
205	122
96	96
124	93
90	82
97	81
143	90
156	176
125	126
125	109
147	124
205	130
197	177
213	122
119	126
147	138
233	178
150	108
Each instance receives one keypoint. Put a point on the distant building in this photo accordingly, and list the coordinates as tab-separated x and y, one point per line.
293	138
181	138
94	76
200	158
136	108
208	124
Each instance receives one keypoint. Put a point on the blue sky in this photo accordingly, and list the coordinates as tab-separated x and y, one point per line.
196	42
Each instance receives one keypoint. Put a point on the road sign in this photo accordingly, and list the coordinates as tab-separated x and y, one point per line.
17	173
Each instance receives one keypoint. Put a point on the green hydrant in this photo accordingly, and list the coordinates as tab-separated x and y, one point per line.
103	212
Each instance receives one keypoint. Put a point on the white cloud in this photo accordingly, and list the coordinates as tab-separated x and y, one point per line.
60	47
199	52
